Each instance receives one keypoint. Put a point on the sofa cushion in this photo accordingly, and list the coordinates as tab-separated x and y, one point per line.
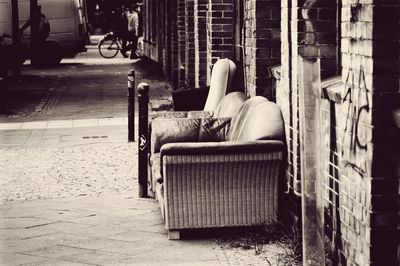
238	118
214	129
173	130
230	104
257	119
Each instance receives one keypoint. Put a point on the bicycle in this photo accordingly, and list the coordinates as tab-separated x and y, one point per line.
110	45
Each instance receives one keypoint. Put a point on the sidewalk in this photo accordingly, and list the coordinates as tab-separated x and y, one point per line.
68	186
84	210
107	230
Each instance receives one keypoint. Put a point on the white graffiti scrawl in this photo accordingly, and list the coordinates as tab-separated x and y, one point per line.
355	146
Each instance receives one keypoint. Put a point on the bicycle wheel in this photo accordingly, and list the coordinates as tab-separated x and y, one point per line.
108	48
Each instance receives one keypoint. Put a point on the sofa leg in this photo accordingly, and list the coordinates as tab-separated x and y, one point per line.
174	234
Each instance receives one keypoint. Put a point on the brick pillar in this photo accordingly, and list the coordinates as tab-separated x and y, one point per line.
287	100
181	41
200	17
190	45
220	32
173	26
309	29
310	127
261	44
373	38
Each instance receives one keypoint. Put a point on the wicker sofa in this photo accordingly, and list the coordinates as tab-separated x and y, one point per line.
219	171
227	107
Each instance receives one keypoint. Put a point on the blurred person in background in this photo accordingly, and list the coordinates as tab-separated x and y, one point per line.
134	29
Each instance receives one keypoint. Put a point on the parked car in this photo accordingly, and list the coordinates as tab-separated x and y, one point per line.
68	26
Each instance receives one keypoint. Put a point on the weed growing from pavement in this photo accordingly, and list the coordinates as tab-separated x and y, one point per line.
257	237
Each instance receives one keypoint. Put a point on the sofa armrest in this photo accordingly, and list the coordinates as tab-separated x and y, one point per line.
225	147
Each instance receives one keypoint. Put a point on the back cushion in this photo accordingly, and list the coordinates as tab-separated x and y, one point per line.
173	130
214	129
230	104
258	119
238	118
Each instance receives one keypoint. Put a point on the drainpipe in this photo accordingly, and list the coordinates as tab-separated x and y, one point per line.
16	36
339	36
34	28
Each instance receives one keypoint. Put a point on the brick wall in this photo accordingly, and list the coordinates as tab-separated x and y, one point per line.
361	166
220	32
200	17
360	155
385	129
348	147
317	31
261	44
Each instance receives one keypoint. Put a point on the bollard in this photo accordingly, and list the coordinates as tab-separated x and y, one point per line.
143	99
131	106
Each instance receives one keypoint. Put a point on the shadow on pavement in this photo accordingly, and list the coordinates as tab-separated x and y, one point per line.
21	96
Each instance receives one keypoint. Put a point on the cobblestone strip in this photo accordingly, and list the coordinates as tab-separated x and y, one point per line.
51	103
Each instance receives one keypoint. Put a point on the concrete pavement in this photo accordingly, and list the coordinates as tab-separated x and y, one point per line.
107	230
69	178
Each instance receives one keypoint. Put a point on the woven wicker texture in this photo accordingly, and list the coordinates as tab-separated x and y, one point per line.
204	191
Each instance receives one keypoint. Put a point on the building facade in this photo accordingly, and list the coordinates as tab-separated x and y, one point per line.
333	68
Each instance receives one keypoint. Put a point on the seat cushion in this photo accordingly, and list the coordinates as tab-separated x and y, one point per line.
257	119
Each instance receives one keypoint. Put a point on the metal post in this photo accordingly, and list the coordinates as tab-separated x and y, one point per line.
131	106
143	99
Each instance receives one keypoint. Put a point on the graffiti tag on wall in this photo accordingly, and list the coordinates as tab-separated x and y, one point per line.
355	147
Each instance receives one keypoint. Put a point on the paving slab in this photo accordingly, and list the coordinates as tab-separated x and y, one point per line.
96	236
